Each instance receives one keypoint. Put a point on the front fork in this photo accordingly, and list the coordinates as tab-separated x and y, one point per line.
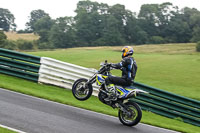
124	108
92	79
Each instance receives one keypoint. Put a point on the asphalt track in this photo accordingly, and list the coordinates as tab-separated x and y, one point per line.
34	115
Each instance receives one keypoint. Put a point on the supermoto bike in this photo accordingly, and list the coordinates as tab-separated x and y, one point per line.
129	112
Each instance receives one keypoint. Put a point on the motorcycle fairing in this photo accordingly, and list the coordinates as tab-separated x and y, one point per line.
100	79
123	92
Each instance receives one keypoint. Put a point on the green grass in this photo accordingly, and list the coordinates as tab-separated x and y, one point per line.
4	130
65	96
175	68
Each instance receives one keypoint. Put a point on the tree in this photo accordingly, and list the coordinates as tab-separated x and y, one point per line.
120	14
156	40
189	16
195	21
3	38
192	17
89	21
7	20
24	44
148	19
154	18
62	33
99	24
198	46
34	17
195	34
134	34
43	27
111	35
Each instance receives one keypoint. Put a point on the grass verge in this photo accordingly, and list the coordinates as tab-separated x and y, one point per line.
4	130
65	96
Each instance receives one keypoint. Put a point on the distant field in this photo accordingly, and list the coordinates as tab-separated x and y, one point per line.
171	67
26	36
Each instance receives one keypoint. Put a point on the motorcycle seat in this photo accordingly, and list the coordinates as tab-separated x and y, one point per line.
128	87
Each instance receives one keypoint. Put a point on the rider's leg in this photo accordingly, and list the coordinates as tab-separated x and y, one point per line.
112	80
116	81
110	83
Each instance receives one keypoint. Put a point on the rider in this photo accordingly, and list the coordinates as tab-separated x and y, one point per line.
128	67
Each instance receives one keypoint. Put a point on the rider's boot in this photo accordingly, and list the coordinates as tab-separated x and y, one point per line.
112	92
110	87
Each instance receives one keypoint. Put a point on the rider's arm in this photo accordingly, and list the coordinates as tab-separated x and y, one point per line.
118	65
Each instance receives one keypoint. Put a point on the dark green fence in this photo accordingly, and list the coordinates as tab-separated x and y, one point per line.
168	104
19	64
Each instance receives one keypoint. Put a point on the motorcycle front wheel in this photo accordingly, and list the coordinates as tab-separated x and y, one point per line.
133	116
81	90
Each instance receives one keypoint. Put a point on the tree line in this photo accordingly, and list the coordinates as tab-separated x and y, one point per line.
98	24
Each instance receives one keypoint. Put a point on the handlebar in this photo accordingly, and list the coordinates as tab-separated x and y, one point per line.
105	63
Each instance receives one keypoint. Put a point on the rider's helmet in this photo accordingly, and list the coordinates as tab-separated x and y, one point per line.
126	51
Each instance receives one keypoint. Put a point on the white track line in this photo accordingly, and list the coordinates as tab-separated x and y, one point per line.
12	129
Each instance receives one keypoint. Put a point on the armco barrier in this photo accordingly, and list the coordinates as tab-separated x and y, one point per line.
63	74
169	104
20	65
20	56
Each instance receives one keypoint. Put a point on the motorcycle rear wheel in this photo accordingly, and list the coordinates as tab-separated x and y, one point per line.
135	116
81	90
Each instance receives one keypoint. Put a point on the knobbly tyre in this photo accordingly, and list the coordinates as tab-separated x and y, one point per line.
129	112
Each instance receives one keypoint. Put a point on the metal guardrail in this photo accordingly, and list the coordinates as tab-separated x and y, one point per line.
63	74
169	104
168	95
19	64
20	56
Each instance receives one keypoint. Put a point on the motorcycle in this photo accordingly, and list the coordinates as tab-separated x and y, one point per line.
129	112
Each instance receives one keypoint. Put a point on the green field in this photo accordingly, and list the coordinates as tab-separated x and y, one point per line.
175	68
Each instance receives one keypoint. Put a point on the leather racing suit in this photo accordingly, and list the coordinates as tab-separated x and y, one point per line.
128	67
